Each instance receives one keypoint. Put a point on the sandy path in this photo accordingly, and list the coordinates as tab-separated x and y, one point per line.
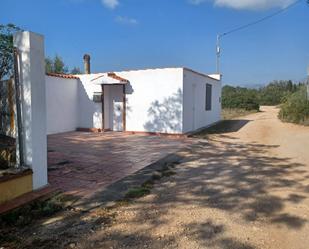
246	189
293	140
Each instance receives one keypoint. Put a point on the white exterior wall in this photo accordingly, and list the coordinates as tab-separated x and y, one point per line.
32	79
61	104
154	100
89	112
170	100
195	115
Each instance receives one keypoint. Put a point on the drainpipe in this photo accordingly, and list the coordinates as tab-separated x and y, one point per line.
87	64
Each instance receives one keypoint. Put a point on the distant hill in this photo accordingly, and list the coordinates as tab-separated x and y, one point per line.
250	86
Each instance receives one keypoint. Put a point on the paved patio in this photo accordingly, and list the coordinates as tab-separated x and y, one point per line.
81	163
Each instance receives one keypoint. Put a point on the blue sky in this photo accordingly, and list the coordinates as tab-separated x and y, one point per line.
136	34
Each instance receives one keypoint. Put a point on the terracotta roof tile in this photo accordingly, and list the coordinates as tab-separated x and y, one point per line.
116	77
64	76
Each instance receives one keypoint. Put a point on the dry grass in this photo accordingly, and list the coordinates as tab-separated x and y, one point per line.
235	113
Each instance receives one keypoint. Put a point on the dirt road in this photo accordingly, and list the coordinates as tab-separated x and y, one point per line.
264	127
244	189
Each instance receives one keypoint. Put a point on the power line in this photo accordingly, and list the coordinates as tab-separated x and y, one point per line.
261	20
249	25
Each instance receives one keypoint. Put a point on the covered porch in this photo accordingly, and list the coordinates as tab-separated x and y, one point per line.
112	98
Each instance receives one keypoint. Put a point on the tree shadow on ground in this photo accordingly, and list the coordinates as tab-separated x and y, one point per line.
239	179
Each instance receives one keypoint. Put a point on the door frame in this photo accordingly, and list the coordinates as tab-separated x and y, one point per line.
124	106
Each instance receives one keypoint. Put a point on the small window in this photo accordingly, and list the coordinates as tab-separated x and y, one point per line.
97	97
208	97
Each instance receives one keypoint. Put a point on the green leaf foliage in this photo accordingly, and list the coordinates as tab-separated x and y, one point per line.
6	50
275	92
55	65
295	109
240	98
76	70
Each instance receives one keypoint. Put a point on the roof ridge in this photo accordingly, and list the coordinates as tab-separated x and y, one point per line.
62	75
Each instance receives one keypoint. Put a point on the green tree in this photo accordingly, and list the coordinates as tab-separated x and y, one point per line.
59	66
76	70
295	108
49	65
276	92
240	98
6	50
55	65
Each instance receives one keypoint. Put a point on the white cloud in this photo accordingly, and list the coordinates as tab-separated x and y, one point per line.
126	20
111	4
248	4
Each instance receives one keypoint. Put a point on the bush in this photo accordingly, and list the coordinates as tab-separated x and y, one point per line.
32	211
276	92
240	98
137	192
228	114
295	109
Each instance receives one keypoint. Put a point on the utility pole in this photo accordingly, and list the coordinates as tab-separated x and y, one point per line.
219	36
308	83
218	54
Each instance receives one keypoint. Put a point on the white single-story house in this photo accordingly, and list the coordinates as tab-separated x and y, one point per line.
167	100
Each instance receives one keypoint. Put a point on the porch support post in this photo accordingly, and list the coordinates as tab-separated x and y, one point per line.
124	108
103	110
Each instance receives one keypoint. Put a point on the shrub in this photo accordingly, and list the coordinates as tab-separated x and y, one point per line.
295	109
32	211
276	92
240	98
137	192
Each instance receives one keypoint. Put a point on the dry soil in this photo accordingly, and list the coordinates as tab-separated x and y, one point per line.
247	189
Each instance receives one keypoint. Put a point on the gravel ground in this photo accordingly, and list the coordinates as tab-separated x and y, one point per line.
244	189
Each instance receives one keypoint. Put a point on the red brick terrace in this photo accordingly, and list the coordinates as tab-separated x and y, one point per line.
83	163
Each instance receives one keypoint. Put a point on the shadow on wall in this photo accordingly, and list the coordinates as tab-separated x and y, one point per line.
165	116
116	109
118	115
86	107
25	109
129	88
